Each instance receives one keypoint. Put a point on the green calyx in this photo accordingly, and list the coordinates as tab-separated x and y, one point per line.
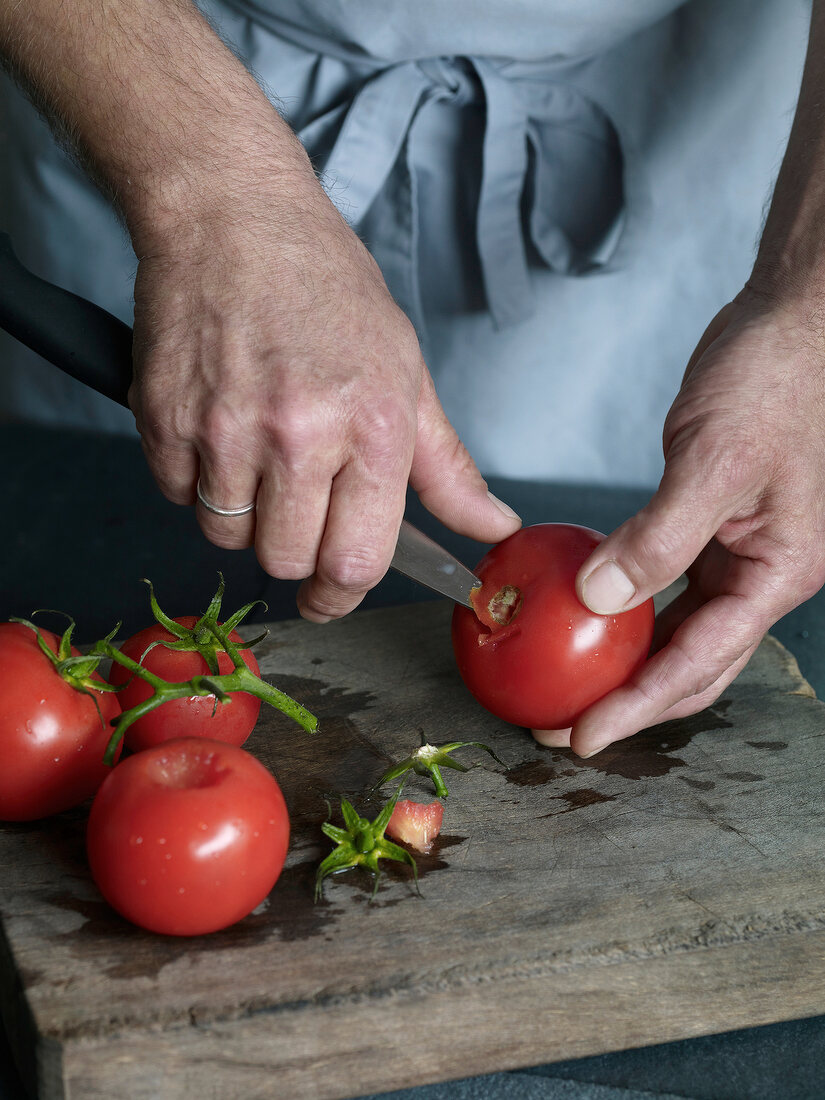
76	670
361	843
207	637
428	760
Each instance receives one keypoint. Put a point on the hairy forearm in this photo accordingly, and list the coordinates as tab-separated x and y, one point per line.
162	112
791	256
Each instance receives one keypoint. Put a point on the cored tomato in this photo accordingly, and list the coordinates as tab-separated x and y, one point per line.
415	823
52	735
187	837
533	654
195	715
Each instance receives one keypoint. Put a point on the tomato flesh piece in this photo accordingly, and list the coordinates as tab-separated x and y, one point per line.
496	607
416	824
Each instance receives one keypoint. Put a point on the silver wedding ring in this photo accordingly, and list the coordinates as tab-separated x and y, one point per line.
215	510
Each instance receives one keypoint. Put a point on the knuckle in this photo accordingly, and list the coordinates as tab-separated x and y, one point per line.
219	428
354	571
384	429
300	435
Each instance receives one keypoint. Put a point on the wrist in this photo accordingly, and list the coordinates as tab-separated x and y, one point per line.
189	192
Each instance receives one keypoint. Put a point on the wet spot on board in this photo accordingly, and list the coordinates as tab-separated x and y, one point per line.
578	800
771	746
287	914
30	976
140	954
533	773
337	759
699	784
652	753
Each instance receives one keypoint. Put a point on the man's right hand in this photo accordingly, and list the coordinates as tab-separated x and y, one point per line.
271	362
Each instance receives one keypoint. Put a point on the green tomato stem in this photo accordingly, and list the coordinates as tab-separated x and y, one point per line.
222	687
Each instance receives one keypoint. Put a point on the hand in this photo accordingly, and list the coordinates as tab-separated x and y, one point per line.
740	509
272	363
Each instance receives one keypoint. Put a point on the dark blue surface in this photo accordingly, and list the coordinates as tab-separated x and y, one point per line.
83	522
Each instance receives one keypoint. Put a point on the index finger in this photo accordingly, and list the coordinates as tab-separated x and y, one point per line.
357	545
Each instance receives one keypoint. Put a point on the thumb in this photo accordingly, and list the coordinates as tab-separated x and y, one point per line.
654	547
448	482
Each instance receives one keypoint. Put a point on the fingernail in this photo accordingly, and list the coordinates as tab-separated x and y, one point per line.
505	508
607	589
594	752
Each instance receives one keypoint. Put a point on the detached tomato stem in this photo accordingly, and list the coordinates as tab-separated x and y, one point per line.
430	759
361	843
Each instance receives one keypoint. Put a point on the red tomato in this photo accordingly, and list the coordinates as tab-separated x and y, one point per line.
52	737
415	824
539	658
193	716
187	837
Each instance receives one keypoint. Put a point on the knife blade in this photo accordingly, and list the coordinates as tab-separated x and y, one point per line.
422	559
95	348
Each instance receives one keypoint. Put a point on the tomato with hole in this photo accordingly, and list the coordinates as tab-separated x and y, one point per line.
52	735
415	823
187	837
195	715
532	653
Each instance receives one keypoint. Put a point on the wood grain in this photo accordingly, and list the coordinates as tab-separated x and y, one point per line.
669	887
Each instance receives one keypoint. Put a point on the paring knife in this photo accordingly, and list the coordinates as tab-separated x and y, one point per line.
94	347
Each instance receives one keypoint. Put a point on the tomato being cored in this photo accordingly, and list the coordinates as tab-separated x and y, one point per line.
195	715
187	837
533	654
52	735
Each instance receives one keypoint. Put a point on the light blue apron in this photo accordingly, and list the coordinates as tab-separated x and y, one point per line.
559	194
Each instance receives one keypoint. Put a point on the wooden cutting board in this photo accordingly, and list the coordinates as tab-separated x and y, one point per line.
672	886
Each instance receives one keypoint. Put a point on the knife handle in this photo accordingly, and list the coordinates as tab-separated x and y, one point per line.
79	337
